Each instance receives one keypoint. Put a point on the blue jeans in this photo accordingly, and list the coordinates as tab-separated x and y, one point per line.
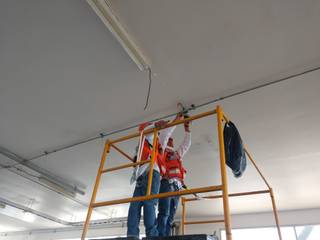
149	211
167	208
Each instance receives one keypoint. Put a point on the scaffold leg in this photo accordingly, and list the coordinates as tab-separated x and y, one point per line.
225	194
95	189
275	212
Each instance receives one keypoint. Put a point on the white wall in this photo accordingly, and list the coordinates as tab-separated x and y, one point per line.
298	217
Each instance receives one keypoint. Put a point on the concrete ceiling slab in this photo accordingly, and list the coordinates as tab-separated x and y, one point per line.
64	78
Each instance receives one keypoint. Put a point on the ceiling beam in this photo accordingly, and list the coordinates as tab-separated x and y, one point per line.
43	173
46	216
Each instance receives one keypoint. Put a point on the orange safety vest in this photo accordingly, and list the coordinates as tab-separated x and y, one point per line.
174	168
147	152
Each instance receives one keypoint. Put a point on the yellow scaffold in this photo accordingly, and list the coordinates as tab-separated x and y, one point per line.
223	187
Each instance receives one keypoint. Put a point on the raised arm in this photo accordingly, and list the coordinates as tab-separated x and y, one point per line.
166	133
186	143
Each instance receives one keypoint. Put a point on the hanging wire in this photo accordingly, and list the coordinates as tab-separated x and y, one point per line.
149	88
103	135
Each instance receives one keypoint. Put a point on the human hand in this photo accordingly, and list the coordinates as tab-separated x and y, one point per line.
187	126
161	124
178	117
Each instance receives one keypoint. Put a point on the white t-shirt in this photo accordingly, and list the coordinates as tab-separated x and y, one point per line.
164	136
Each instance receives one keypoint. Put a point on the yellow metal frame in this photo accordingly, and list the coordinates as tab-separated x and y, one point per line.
223	187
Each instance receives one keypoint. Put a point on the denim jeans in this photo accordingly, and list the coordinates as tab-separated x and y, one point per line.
149	207
167	208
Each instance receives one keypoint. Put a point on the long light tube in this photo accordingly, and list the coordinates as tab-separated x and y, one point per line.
103	10
57	187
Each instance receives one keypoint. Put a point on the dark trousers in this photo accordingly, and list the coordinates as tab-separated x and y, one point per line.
167	208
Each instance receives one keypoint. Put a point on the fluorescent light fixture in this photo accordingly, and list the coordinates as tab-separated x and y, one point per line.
103	10
57	187
18	213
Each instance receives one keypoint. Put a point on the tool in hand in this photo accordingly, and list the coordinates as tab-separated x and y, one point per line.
185	110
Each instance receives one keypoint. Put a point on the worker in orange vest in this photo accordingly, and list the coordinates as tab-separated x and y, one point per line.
173	180
140	176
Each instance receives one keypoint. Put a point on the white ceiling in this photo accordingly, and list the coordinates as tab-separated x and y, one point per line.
64	78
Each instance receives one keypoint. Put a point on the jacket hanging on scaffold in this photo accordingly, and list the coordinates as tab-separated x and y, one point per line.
235	154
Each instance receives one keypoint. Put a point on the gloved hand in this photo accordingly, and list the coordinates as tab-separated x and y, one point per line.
160	124
142	126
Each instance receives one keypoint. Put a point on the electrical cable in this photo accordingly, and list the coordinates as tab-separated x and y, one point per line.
103	135
149	88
